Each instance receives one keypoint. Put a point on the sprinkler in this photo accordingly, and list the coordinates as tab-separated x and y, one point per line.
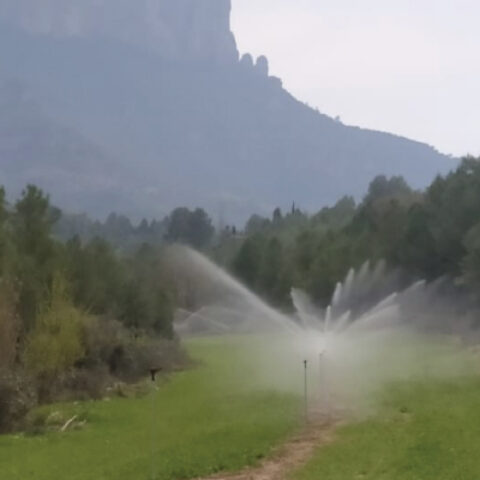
153	376
305	382
322	380
153	373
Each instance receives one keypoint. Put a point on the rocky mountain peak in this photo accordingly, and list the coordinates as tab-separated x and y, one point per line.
182	30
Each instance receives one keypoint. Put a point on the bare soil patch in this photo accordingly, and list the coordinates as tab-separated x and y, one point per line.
319	430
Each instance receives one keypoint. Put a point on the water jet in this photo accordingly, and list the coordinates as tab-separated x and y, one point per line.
368	335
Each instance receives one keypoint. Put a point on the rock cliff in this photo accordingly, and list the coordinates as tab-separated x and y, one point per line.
177	29
143	105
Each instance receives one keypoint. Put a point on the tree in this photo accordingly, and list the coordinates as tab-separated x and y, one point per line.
143	228
453	204
271	268
179	226
117	228
381	187
56	342
471	261
192	228
32	220
3	206
95	274
305	250
134	311
417	249
247	261
201	229
3	230
337	216
256	224
277	217
146	303
163	313
9	326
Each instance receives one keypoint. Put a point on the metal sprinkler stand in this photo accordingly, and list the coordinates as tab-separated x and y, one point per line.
305	364
153	375
322	380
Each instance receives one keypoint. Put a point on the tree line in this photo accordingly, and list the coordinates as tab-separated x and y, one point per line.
75	315
182	225
428	234
85	303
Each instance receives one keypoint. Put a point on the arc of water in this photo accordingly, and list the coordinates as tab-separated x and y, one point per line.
206	319
228	282
386	302
328	319
337	295
343	321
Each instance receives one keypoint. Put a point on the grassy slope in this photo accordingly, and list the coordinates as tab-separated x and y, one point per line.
427	430
206	419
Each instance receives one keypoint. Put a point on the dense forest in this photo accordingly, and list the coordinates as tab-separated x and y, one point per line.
85	304
75	316
427	234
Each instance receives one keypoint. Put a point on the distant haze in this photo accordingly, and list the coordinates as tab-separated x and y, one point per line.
141	107
410	67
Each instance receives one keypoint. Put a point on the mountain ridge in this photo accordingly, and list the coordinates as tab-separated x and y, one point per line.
222	135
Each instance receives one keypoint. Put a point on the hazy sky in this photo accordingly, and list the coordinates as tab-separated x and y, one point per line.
410	67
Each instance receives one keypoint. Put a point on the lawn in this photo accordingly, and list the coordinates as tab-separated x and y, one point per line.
197	422
424	430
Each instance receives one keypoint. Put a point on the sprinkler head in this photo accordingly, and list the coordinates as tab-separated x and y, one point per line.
154	371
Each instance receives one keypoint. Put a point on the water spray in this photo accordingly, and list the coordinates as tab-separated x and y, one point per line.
369	335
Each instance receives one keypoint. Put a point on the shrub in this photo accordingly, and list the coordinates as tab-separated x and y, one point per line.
17	397
9	326
125	356
56	342
104	338
85	384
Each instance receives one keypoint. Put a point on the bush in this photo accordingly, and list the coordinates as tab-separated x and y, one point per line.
56	342
9	326
125	356
17	397
105	339
138	357
86	384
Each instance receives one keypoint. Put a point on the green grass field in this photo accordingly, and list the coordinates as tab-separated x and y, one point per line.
206	419
215	417
425	430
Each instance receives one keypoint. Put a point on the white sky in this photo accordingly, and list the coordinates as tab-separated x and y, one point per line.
404	66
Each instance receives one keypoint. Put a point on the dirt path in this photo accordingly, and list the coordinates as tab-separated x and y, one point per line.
291	455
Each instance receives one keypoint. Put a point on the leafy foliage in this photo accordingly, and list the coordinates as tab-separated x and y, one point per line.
53	295
9	327
191	227
55	344
428	234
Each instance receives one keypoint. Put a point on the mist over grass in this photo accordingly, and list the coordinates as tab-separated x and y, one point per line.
349	382
425	429
373	333
243	398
